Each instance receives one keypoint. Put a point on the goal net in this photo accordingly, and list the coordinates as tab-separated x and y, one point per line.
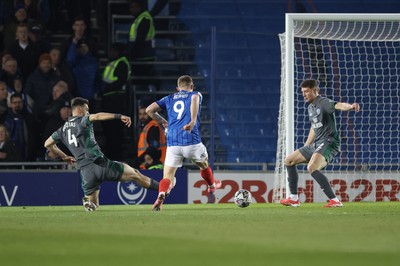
355	58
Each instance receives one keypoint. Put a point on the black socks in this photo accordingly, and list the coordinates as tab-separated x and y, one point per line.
323	183
293	178
153	184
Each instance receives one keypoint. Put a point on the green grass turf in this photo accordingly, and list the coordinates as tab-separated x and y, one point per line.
207	234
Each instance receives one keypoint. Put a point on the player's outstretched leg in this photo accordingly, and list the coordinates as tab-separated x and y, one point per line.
131	173
88	205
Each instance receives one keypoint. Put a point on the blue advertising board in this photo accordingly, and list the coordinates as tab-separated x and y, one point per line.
37	188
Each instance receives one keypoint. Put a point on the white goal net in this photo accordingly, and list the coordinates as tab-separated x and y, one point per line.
355	58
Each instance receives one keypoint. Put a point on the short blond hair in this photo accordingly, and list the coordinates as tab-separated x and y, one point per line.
184	81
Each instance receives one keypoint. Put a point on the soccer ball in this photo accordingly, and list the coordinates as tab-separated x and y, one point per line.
243	198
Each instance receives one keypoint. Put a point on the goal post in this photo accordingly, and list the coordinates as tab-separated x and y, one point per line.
355	58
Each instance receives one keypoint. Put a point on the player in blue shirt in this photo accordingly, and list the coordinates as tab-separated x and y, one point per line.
183	138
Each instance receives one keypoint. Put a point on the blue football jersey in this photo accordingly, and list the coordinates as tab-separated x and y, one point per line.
177	106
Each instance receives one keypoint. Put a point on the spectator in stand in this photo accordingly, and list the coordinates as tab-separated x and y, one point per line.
141	39
9	71
61	95
10	28
35	35
114	100
85	68
151	134
40	88
152	159
62	70
3	101
79	32
8	151
40	84
33	9
21	126
18	87
5	55
25	52
142	32
79	8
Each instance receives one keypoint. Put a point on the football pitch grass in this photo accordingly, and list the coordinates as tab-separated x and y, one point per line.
202	234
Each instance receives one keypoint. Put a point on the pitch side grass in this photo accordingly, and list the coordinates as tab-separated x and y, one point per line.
205	234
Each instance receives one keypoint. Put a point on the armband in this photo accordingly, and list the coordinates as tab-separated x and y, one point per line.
117	116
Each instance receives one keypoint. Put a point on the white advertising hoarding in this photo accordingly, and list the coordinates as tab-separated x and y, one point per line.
348	187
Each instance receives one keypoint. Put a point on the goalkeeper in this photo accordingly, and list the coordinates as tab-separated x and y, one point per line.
321	146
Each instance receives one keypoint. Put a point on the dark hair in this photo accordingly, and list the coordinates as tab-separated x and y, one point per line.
79	101
79	18
89	44
15	95
309	83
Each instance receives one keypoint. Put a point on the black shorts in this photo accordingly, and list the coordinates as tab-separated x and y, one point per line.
328	148
95	174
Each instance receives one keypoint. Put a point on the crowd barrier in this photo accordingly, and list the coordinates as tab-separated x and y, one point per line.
47	188
44	188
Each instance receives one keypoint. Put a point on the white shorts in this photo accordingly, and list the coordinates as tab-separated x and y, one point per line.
176	154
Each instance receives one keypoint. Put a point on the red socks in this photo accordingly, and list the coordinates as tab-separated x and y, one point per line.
207	175
164	185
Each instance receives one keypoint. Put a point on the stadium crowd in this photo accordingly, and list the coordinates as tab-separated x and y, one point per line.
38	79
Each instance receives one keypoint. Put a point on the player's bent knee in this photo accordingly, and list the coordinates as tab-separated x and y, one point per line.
289	162
311	168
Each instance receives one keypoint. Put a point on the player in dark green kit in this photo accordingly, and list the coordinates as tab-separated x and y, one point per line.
321	146
77	134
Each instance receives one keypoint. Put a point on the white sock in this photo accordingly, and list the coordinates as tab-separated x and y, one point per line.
294	197
336	199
